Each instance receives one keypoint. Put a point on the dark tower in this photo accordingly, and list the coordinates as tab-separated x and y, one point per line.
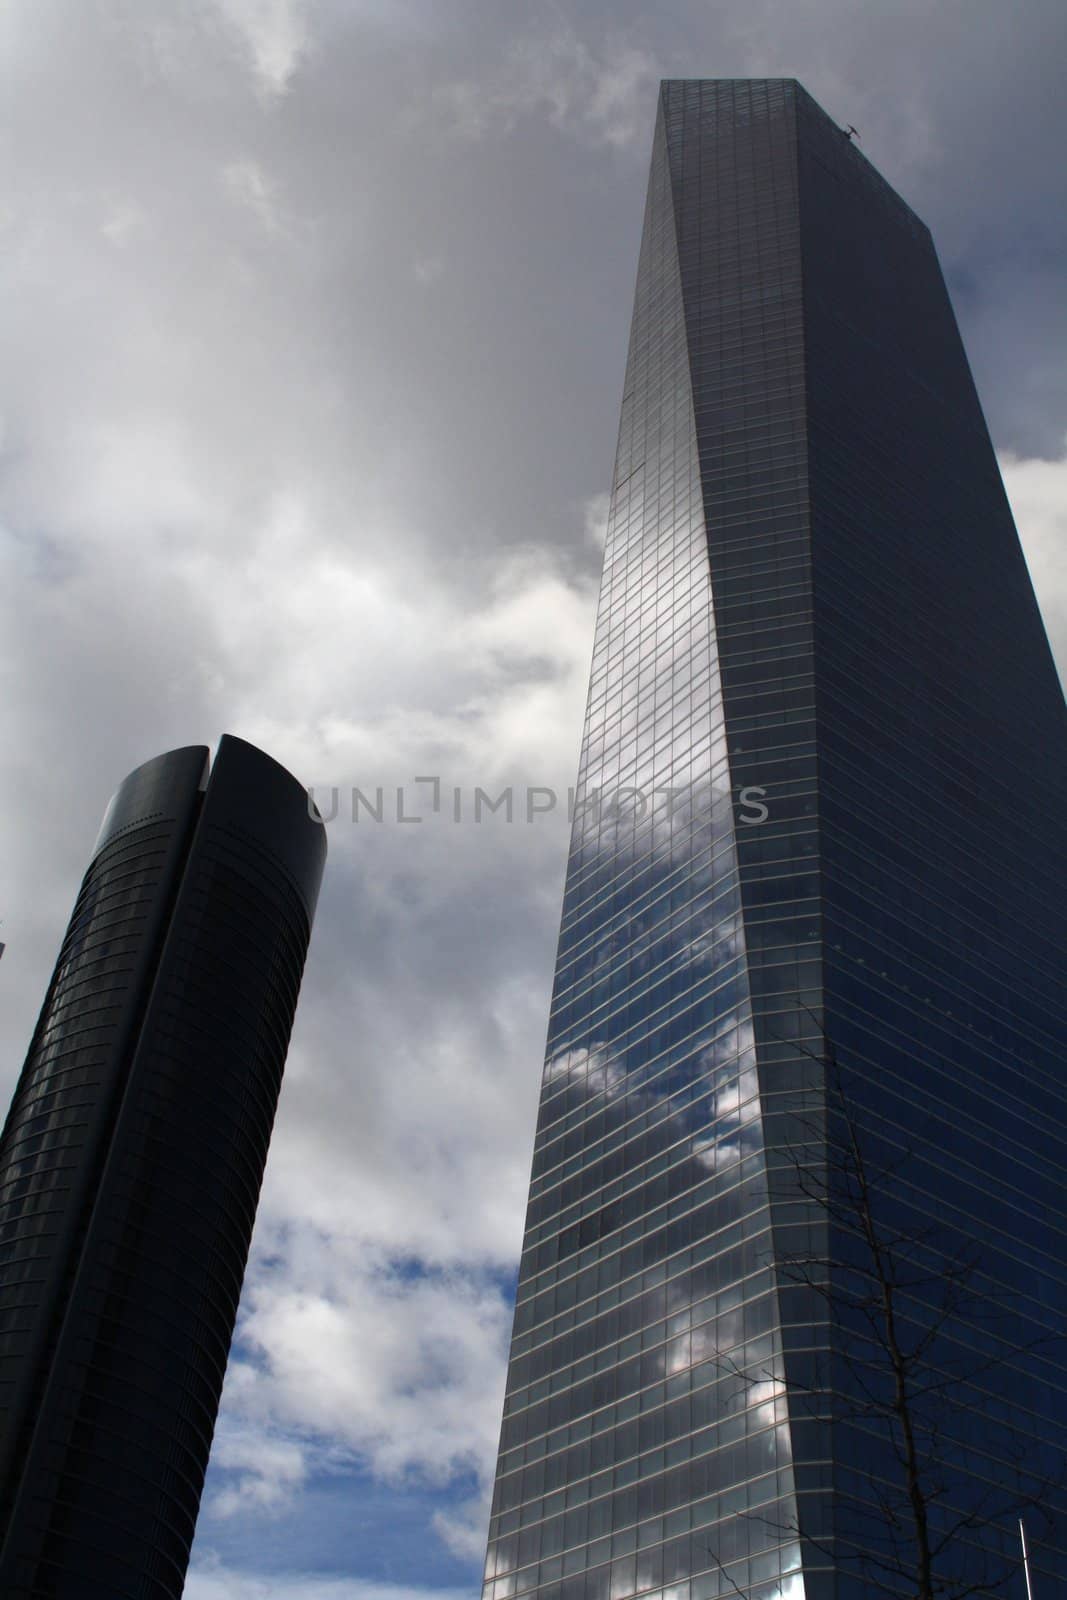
130	1168
824	888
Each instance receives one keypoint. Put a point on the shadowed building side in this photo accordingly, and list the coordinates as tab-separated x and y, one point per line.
131	1163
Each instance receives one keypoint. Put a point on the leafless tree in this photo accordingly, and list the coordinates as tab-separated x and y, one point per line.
919	1334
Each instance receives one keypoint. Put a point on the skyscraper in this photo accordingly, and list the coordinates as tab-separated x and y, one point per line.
817	892
130	1168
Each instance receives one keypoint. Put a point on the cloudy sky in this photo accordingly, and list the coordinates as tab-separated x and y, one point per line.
313	318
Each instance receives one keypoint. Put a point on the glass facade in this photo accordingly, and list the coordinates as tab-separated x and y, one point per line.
814	901
130	1167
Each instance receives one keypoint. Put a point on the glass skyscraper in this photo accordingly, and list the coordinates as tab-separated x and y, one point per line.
813	933
130	1167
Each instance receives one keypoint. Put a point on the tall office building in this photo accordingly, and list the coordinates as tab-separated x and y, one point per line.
130	1168
823	894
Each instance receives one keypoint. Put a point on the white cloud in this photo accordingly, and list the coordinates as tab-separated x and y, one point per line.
401	1368
122	223
268	1471
1038	493
352	673
274	34
464	1530
597	509
600	95
251	187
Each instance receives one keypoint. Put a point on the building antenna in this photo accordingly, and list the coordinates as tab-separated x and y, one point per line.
851	133
1026	1561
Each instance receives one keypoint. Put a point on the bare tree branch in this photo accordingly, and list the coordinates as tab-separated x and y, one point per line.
914	1315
